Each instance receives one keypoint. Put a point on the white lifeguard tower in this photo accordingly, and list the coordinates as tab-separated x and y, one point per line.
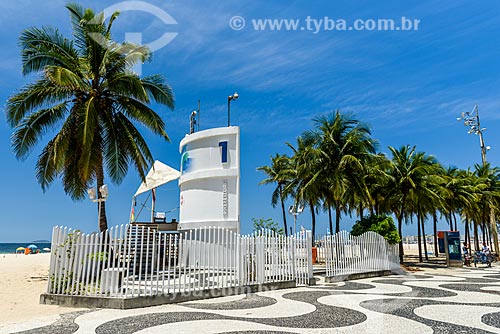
210	179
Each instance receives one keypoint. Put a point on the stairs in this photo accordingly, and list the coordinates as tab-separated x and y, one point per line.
150	250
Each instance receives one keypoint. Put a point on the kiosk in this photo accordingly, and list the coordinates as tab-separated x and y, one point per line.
452	248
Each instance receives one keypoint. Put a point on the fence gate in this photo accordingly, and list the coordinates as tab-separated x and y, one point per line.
346	254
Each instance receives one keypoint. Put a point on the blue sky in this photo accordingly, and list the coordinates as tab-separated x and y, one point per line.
408	85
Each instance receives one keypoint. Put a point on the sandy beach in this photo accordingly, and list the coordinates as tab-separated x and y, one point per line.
22	279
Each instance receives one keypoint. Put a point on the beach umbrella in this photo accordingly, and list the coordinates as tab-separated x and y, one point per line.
19	249
32	246
46	249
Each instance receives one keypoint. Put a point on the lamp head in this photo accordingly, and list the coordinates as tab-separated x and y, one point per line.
104	191
233	97
92	193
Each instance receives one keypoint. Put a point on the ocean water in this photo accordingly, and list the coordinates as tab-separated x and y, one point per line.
9	248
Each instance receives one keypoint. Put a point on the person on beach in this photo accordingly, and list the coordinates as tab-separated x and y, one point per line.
485	252
465	250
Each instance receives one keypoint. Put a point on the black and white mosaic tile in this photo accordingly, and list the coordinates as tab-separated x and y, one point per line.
448	302
251	300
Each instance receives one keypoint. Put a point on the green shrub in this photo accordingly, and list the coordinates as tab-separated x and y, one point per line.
383	225
260	224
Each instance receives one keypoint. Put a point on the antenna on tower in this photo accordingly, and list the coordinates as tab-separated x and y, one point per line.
194	120
199	109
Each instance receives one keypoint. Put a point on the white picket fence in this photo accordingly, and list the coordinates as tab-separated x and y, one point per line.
131	260
320	248
346	254
320	253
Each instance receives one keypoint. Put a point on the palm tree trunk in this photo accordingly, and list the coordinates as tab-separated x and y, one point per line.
360	211
400	224
494	233
455	219
488	235
436	248
476	236
419	239
466	235
330	220
313	221
425	238
101	205
283	209
337	217
483	229
400	228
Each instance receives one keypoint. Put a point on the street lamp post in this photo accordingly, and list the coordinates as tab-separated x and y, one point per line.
471	120
96	199
230	98
295	210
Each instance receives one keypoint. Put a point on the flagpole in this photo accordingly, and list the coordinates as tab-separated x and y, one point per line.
153	200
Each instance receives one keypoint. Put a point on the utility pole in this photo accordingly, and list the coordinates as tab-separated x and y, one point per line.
472	120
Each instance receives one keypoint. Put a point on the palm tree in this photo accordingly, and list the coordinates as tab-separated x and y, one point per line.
426	197
87	94
278	172
375	179
460	190
470	190
406	171
345	145
490	176
305	180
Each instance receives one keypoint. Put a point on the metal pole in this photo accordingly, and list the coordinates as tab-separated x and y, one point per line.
481	139
295	223
483	148
98	212
153	199
493	222
229	111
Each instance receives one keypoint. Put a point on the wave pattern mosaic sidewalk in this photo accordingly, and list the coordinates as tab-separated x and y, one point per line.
453	301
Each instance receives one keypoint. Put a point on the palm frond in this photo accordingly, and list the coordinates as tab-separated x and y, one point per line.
30	130
46	46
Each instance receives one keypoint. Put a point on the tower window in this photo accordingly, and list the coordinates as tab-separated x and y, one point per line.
223	146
